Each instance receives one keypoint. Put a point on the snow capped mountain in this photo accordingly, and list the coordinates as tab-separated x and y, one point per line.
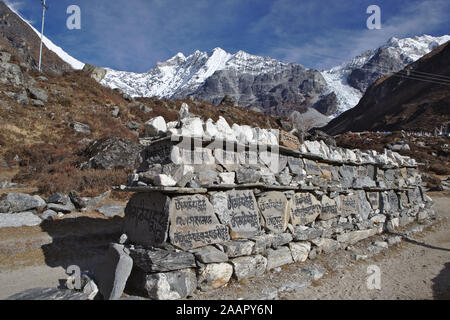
74	63
350	79
182	75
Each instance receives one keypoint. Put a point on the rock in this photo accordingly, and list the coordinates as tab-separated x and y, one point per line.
356	236
95	72
394	240
244	134
329	209
80	127
381	244
133	125
295	286
93	202
238	248
249	267
49	294
114	153
214	276
155	127
278	258
115	111
63	208
228	178
89	288
302	233
59	198
274	209
296	165
210	254
300	250
11	74
112	272
79	202
192	127
48	215
207	177
326	245
41	203
281	239
164	180
219	200
314	273
37	103
184	112
19	220
248	174
111	210
304	209
160	260
244	214
262	243
19	202
163	286
224	130
289	140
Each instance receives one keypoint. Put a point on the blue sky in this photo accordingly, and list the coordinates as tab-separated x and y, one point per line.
133	35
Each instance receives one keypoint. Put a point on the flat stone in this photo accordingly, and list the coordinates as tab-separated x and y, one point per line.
274	209
210	254
159	260
154	127
244	214
249	267
21	219
228	159
112	272
48	215
228	178
49	294
300	250
314	273
278	258
302	233
296	165
163	286
289	140
147	219
374	199
329	209
311	167
110	210
214	276
349	205
247	174
356	236
326	245
193	223
238	248
281	239
262	243
304	209
64	208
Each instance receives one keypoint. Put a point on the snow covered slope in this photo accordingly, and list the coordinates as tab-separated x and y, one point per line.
74	63
350	79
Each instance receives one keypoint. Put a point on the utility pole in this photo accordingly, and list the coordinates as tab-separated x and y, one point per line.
44	7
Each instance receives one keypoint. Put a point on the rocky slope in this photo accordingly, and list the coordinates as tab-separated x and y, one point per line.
17	33
416	98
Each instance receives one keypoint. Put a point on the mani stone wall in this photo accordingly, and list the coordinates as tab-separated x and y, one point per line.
206	211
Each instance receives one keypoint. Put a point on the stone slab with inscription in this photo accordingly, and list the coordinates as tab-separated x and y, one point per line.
146	219
289	140
274	209
312	167
193	223
374	199
349	205
304	208
329	209
244	214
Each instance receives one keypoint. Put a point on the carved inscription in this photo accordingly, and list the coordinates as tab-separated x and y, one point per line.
274	209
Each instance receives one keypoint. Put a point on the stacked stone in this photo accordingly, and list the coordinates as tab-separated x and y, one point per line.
218	220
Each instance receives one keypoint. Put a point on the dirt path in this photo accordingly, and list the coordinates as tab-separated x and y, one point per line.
417	268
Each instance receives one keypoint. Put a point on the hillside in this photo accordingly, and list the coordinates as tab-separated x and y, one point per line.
415	99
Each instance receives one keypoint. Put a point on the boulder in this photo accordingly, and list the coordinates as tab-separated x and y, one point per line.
214	275
114	153
278	258
238	248
21	219
11	74
249	267
300	250
210	254
80	127
19	202
160	260
112	272
163	286
155	127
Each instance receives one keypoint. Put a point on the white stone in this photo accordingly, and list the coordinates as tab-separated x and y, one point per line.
192	127
211	130
155	126
224	130
164	181
244	134
227	177
214	275
300	250
19	220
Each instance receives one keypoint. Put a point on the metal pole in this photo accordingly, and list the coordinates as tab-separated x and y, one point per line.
42	32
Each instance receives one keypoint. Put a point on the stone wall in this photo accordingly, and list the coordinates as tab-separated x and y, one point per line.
206	210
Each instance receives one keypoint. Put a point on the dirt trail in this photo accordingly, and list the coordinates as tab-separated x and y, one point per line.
417	268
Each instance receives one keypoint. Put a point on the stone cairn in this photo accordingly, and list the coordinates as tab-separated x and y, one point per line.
214	202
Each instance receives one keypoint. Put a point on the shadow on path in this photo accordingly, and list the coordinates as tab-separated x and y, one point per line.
441	284
423	244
